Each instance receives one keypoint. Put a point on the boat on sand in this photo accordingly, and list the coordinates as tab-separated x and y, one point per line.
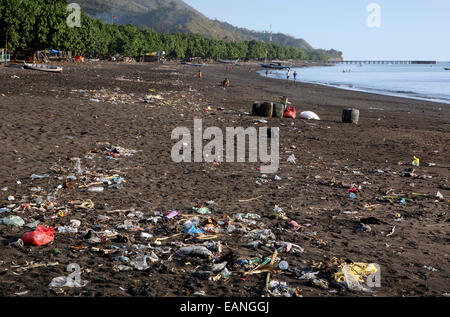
276	65
44	68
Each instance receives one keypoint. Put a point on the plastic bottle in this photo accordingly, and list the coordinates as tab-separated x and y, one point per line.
96	189
283	265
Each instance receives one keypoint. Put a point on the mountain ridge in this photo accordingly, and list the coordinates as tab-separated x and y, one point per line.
170	16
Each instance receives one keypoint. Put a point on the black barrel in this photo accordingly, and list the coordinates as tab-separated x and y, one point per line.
267	109
278	110
256	109
350	115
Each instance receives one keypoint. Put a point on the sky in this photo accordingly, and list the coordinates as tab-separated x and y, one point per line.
408	29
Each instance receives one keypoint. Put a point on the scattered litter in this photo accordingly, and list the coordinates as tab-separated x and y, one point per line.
430	268
291	159
202	211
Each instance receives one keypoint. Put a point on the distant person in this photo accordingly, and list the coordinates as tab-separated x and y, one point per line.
295	76
200	75
288	74
267	73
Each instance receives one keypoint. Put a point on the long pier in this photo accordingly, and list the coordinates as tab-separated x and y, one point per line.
383	62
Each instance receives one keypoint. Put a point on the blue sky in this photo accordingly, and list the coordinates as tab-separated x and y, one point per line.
410	29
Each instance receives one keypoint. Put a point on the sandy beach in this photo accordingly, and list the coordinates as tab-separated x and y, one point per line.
48	120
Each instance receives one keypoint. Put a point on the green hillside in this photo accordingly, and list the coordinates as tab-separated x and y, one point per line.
169	16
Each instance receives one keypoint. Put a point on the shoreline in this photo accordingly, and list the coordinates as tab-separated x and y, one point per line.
351	87
367	90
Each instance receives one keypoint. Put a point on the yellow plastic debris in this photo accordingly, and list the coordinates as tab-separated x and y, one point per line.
416	161
357	270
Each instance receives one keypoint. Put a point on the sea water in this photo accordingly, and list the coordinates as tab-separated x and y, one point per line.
424	82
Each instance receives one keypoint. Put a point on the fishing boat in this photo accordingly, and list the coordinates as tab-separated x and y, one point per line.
276	65
192	64
44	68
446	68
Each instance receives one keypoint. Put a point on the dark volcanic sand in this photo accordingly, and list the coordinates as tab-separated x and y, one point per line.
44	124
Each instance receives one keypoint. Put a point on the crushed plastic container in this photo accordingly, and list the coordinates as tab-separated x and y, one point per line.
195	251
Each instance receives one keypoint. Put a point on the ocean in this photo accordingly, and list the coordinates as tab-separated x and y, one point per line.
424	82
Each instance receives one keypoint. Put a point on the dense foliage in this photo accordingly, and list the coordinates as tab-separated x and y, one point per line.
41	24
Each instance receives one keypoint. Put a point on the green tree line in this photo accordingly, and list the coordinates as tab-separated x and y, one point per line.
41	24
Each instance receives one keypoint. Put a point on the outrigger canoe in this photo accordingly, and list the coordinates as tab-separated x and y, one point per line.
227	61
192	64
446	68
44	68
276	66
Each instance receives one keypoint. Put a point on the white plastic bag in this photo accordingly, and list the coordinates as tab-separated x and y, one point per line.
309	115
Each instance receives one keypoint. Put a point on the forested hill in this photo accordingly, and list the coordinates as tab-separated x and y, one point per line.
169	16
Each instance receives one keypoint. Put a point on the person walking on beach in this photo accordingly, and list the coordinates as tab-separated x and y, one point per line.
267	73
295	76
200	75
288	74
226	83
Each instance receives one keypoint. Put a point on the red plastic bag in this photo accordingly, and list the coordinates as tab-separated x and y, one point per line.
353	190
40	236
290	113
